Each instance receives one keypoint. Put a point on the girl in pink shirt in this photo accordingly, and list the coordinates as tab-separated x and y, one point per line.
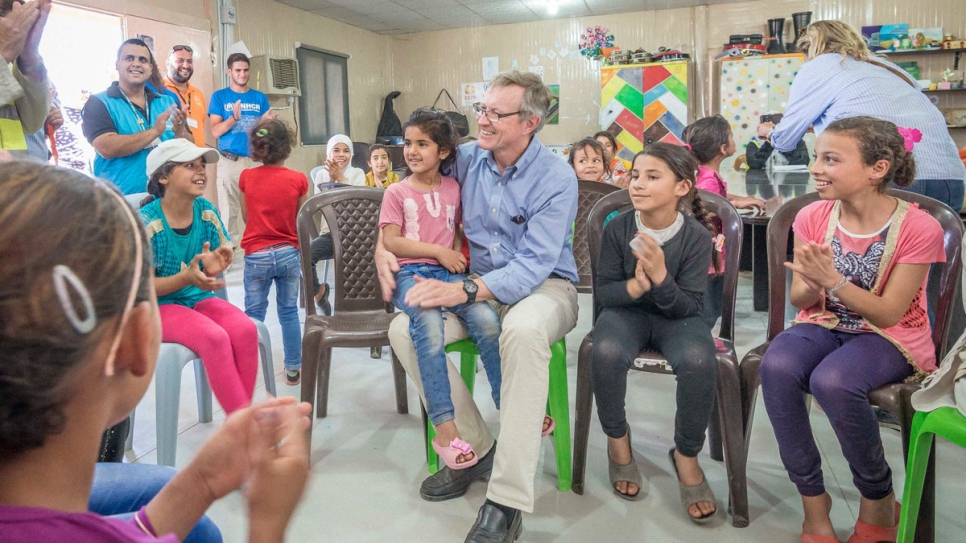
711	141
860	268
420	225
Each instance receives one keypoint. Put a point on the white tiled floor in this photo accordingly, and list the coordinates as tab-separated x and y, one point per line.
368	462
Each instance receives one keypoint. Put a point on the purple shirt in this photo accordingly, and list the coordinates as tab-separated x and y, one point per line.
33	524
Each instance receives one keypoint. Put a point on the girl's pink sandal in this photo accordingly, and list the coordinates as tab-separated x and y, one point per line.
450	453
549	430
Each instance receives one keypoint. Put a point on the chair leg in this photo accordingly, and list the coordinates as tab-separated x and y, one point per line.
399	378
917	466
583	409
202	392
714	434
310	370
432	459
558	405
322	390
168	392
265	356
926	525
736	456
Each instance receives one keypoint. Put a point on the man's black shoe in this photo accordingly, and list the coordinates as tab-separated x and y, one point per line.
492	526
447	483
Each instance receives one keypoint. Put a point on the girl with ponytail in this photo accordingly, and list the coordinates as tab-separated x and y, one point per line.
651	277
860	268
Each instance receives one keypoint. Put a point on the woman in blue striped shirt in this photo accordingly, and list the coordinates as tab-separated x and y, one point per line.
841	78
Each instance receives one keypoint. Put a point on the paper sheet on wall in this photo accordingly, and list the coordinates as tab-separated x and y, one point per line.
472	92
551	54
491	67
534	59
564	52
536	70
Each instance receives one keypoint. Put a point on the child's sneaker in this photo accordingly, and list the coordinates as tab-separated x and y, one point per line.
293	377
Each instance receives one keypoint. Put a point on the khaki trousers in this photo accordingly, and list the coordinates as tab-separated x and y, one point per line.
228	172
529	328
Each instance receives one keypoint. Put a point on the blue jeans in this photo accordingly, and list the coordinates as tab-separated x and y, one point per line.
120	490
426	330
947	191
282	265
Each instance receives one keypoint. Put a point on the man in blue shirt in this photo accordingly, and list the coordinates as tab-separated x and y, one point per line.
233	112
129	119
519	204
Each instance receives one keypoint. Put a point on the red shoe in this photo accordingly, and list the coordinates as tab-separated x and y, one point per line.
867	533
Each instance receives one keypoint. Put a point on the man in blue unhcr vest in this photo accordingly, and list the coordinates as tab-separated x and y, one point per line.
129	119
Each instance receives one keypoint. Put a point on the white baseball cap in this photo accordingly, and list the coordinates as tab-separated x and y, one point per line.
178	150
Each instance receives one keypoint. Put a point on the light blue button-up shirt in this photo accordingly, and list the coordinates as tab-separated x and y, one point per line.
828	88
519	223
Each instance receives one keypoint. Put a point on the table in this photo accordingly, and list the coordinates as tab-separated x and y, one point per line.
775	188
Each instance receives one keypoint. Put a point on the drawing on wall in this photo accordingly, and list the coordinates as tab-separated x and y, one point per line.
553	117
149	41
491	67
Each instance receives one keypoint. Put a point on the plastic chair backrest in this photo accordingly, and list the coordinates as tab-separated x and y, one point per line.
781	223
588	194
352	214
315	171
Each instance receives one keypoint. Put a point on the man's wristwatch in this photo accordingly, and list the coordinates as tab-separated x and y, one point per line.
470	288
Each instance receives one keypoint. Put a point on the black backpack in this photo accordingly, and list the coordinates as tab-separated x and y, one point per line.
389	124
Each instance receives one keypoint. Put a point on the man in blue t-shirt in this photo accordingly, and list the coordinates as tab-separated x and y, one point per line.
129	119
233	112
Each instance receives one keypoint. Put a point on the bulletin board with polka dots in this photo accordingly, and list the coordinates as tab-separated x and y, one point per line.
752	87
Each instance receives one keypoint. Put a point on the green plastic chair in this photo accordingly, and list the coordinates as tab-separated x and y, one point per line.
945	422
558	405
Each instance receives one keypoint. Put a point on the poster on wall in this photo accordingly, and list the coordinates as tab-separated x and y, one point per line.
536	70
472	93
148	40
491	67
553	117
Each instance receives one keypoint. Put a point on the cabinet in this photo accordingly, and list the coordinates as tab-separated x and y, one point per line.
932	62
643	104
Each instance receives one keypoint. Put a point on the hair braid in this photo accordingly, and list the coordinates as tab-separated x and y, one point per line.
706	218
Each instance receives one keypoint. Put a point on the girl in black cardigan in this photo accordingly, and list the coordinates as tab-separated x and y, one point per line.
651	277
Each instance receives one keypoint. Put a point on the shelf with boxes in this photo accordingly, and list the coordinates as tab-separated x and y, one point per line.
946	93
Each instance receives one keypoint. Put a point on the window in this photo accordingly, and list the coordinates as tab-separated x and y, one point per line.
324	105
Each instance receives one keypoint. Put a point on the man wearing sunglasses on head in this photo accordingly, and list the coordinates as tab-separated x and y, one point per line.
180	69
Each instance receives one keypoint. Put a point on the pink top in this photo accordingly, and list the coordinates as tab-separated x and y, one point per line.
426	216
712	181
33	524
919	241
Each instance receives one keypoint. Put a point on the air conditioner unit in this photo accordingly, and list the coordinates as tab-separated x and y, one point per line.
275	76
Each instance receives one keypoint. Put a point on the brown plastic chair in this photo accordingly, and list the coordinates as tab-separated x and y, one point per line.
588	194
728	408
360	316
894	398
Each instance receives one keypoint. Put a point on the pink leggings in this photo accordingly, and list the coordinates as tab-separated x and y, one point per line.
225	339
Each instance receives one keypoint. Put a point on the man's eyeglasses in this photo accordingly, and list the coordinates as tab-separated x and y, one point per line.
182	48
491	116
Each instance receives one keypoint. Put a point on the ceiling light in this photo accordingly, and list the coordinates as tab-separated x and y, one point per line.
552	7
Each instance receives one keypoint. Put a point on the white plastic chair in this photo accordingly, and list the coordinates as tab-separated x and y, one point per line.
172	359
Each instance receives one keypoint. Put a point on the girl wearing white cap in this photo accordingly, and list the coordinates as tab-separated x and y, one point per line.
191	249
